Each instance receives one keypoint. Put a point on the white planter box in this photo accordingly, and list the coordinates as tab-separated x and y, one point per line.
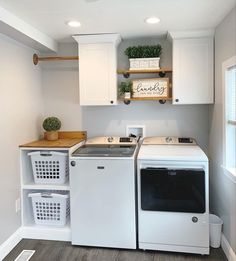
127	95
145	63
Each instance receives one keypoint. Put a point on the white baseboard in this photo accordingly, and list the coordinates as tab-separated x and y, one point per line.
227	249
34	232
10	243
46	233
14	239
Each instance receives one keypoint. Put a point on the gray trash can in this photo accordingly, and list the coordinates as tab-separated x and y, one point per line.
215	230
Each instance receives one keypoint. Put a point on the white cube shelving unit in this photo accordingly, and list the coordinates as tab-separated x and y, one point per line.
29	228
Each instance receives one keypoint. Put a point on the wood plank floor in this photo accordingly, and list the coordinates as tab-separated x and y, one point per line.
64	251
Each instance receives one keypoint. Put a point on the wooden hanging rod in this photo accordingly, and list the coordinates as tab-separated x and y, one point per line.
37	59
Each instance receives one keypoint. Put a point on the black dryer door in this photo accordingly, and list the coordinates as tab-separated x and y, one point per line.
175	190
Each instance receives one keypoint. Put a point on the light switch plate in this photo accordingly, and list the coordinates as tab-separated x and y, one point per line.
17	205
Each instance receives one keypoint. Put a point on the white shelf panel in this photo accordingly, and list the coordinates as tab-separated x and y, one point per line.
32	185
47	232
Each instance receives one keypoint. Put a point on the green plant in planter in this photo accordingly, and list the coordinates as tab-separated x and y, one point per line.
51	125
144	51
125	87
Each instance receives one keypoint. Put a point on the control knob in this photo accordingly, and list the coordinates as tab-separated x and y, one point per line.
73	163
169	139
110	139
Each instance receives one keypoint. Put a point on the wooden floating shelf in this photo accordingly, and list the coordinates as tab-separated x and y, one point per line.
162	70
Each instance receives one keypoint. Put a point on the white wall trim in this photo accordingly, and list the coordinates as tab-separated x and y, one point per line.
14	239
10	243
33	233
227	249
229	174
40	232
98	38
225	66
191	34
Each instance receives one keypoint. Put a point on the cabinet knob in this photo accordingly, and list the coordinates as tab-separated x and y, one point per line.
73	163
176	100
111	102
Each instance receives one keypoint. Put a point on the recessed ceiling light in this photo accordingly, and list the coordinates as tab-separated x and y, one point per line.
152	20
73	23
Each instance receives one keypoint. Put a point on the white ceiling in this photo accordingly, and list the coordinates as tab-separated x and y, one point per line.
118	16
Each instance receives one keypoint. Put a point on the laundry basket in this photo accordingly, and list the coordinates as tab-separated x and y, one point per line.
50	208
49	167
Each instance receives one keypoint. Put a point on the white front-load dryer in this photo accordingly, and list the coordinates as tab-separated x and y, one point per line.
173	196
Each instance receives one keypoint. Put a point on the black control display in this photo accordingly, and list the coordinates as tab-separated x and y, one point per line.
125	139
185	140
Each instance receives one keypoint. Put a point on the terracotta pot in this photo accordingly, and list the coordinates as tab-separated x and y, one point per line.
51	135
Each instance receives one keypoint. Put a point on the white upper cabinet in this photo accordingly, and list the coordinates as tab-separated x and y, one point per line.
98	69
193	69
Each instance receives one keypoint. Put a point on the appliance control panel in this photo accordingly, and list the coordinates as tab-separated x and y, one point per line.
169	141
125	139
110	140
185	140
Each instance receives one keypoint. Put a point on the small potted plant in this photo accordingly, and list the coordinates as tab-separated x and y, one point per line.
145	57
125	89
51	125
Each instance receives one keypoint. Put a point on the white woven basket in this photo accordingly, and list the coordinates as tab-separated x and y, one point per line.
49	167
50	208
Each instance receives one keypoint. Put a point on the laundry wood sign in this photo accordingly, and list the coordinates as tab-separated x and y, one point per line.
155	88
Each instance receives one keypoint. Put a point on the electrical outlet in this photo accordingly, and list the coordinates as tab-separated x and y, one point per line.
17	205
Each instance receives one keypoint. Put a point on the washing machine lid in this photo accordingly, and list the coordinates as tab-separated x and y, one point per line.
171	153
104	151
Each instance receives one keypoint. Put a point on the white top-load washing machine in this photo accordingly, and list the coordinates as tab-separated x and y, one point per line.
173	196
102	176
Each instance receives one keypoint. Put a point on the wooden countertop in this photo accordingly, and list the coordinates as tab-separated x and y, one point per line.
67	139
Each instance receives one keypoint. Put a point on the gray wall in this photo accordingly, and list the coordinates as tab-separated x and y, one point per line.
222	189
21	112
60	84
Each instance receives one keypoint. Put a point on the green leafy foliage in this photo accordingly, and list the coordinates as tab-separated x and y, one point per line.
144	51
125	87
52	124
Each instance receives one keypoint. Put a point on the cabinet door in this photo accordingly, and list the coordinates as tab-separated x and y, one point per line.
193	71
97	74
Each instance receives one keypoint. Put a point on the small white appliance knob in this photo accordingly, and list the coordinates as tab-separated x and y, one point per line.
168	139
110	139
